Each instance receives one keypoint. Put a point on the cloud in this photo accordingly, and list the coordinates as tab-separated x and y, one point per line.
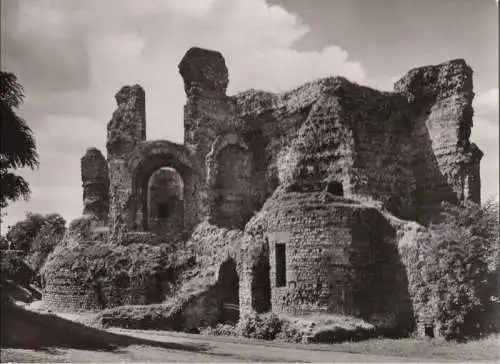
72	57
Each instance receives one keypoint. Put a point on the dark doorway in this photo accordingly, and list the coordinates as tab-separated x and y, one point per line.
280	265
261	285
429	331
229	290
335	188
163	210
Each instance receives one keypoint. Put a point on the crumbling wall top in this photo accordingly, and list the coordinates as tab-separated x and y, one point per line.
204	71
93	165
128	125
134	95
437	81
95	181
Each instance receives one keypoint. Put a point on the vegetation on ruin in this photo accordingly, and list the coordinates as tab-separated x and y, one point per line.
453	271
326	328
50	234
14	268
112	275
36	237
18	148
23	233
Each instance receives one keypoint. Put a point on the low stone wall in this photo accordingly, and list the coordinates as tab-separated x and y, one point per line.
63	294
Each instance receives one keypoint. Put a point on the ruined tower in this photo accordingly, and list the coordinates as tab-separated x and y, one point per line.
126	129
95	182
213	134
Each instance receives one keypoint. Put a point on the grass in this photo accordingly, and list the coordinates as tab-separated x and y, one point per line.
483	349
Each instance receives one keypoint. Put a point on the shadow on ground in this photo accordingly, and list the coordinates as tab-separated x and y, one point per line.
25	329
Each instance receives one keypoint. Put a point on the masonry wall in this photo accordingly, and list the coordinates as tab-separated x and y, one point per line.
232	188
445	163
331	130
280	159
126	129
341	258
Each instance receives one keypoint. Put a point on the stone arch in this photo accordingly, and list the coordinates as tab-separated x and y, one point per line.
228	289
151	156
229	173
165	202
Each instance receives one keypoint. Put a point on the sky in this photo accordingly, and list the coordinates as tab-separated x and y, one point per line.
72	56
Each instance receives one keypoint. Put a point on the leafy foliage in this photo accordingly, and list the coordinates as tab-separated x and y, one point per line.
18	148
4	243
37	236
15	268
24	233
265	326
49	235
452	271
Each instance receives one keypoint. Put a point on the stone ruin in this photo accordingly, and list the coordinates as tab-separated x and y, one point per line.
323	178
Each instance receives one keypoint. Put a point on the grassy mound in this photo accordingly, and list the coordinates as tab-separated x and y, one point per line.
317	328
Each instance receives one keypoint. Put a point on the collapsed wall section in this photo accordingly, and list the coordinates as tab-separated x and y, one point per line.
445	163
86	273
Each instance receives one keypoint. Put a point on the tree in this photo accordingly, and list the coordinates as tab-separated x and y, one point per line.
49	235
455	272
24	232
17	148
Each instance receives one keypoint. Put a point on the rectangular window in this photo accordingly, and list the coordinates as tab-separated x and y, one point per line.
280	265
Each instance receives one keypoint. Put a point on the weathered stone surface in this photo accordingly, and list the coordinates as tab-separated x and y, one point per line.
203	71
446	164
95	182
126	129
332	247
128	124
86	273
304	195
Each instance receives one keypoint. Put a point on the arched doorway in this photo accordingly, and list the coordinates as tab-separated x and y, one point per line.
165	202
164	189
228	287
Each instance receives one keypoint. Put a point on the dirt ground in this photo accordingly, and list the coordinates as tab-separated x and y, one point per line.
198	349
39	337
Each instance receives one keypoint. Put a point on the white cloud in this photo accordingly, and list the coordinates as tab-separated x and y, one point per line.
128	42
72	57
